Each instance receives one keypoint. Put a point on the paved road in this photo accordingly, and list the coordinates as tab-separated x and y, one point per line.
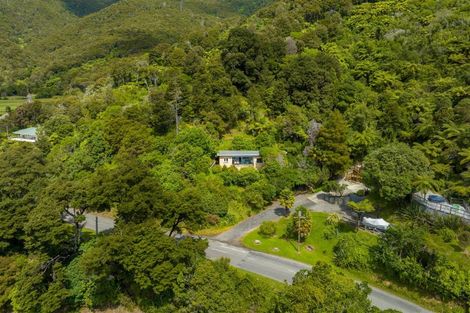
271	266
104	223
282	269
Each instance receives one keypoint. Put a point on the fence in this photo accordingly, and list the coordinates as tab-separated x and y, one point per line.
443	208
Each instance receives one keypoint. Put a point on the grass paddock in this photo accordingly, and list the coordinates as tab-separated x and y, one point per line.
12	102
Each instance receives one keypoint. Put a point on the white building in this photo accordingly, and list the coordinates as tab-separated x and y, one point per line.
25	135
239	159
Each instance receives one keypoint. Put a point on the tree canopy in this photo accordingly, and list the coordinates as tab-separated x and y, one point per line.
391	170
133	99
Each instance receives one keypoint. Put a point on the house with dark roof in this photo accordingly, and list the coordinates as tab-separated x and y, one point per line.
239	159
25	135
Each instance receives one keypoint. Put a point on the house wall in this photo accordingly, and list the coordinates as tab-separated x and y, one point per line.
225	161
24	138
228	162
258	165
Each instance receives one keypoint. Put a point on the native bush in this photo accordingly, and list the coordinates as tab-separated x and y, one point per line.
351	253
464	238
447	234
330	232
267	229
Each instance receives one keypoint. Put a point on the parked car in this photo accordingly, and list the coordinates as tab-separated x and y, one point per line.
436	199
376	224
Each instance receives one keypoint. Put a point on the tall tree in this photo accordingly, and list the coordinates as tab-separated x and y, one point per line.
187	208
330	148
75	198
46	232
142	260
323	289
21	176
391	171
248	56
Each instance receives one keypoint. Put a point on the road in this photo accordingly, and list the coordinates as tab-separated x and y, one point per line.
271	266
282	269
274	267
104	223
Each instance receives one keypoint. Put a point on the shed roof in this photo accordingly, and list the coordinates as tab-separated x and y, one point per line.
238	153
26	132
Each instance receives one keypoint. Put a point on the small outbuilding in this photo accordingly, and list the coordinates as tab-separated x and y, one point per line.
25	135
239	159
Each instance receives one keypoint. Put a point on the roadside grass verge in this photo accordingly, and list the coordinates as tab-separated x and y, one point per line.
272	284
214	231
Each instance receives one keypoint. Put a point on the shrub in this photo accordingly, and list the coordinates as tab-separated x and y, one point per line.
247	176
350	253
264	188
254	200
330	232
417	214
212	219
448	221
267	229
361	193
464	239
447	234
333	219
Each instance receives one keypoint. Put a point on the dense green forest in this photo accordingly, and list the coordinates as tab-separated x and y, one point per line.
85	7
316	86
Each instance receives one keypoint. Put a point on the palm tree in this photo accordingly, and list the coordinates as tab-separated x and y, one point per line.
287	199
425	183
465	154
430	149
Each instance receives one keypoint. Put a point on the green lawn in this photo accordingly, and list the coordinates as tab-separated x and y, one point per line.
315	248
12	102
322	250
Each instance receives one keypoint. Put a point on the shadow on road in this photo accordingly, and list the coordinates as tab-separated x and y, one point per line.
280	211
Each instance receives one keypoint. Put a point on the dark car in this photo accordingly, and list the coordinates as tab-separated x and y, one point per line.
436	199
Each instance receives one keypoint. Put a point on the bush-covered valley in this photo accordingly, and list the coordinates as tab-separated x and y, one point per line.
133	100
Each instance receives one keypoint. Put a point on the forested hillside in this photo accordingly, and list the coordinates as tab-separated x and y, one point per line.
85	7
23	22
55	40
133	101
